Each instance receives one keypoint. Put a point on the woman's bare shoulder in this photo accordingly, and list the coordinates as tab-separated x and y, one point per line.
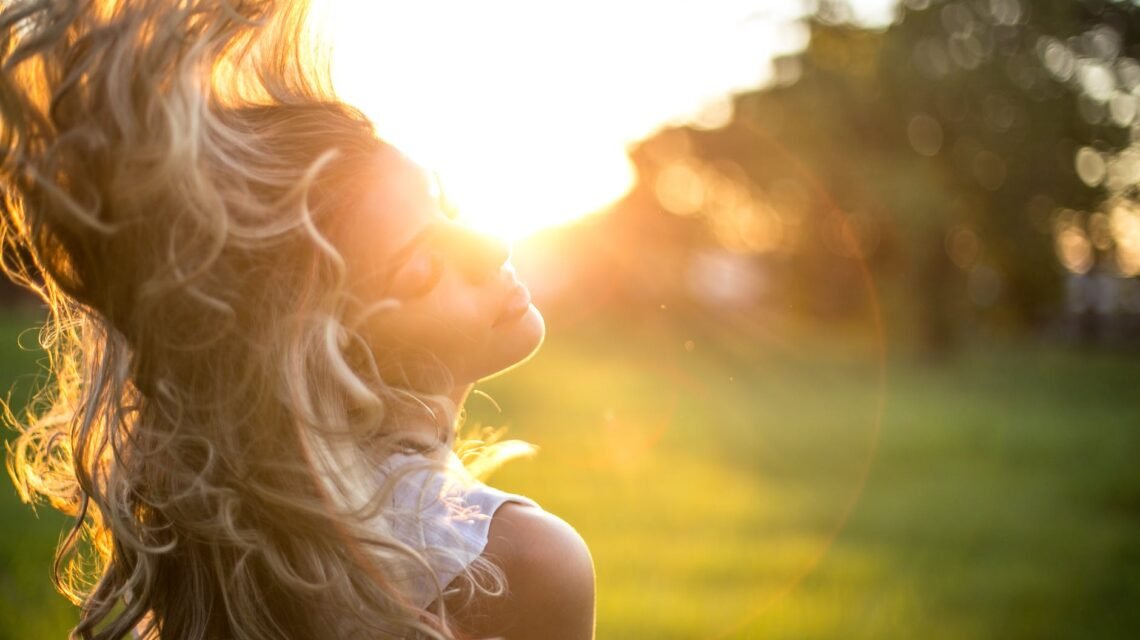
549	576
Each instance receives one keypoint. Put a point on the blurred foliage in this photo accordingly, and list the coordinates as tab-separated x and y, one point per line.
937	153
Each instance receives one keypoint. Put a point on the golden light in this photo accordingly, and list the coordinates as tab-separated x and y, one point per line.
680	188
1074	249
963	246
526	109
1124	224
524	197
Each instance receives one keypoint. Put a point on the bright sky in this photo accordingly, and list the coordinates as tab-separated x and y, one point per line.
526	108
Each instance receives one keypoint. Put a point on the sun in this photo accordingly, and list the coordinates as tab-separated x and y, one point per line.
514	191
525	109
509	165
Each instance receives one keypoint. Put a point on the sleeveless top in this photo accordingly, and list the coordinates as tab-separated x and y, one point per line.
444	515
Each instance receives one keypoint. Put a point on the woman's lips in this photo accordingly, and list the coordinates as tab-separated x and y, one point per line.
515	305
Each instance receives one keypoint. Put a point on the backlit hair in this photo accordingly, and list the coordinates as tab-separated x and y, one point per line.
214	421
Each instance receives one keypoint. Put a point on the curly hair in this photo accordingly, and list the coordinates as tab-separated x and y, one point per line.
214	420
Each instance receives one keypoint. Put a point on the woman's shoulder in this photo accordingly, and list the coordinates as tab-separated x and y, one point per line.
549	576
548	571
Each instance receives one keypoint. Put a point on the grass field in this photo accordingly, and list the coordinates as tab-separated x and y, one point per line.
782	491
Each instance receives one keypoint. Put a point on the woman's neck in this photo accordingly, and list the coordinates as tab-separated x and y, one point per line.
459	394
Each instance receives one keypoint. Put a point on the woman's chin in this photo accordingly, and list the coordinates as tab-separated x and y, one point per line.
523	336
536	326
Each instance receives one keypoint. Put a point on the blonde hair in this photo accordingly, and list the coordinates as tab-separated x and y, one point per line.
214	419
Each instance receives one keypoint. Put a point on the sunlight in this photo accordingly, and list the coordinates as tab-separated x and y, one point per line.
525	190
526	109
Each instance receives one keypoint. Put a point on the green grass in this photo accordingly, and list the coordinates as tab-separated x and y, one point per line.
29	606
721	488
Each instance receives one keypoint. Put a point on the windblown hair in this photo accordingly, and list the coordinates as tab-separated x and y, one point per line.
214	420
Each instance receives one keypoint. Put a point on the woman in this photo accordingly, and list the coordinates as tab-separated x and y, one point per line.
261	331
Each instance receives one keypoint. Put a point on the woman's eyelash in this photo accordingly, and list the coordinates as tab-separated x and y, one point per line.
423	277
435	272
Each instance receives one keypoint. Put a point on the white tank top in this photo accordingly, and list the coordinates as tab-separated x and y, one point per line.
450	511
445	516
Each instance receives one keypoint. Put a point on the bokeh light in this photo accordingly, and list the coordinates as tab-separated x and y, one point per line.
1090	166
680	188
1125	228
1074	249
925	134
963	246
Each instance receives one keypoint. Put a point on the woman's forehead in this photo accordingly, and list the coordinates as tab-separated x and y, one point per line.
401	197
402	175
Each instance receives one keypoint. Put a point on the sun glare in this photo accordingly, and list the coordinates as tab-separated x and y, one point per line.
525	110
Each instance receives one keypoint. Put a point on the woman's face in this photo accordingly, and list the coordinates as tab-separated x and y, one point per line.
459	302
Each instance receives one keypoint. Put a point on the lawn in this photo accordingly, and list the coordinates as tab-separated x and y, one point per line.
795	488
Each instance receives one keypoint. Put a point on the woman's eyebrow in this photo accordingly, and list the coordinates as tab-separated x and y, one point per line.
408	248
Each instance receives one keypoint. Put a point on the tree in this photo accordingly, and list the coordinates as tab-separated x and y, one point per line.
943	150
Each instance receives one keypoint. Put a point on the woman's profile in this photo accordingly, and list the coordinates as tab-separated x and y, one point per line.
261	332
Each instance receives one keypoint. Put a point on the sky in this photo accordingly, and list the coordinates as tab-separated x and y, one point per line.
526	109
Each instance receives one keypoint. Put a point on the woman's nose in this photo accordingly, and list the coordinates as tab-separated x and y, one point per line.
481	254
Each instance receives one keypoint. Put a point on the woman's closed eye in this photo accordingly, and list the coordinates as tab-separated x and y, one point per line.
417	276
